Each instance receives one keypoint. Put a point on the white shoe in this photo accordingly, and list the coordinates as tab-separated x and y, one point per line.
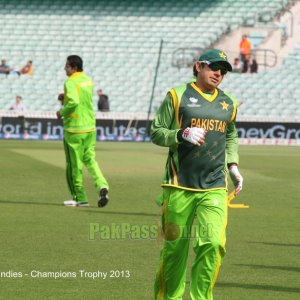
70	203
74	203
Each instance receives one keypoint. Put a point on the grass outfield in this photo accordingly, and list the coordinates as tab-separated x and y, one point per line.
38	234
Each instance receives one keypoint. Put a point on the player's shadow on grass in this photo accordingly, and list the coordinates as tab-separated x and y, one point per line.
82	209
281	268
100	211
274	288
276	244
30	203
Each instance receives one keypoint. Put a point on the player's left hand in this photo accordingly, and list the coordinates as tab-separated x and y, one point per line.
236	178
58	115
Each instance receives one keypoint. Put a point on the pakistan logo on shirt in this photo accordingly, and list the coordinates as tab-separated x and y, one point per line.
224	105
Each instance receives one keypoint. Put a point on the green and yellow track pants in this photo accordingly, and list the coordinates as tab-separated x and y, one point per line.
80	150
180	207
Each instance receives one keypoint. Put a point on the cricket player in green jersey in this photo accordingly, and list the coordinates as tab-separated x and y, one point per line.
197	122
80	134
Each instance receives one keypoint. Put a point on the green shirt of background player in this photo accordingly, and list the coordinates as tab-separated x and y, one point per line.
80	134
197	122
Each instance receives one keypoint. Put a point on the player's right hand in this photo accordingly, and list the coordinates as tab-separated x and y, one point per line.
194	135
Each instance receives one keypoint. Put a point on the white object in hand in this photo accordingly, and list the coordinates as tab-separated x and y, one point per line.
194	135
236	178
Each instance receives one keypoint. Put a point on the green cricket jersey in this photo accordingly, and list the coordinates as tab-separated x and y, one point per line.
78	110
188	166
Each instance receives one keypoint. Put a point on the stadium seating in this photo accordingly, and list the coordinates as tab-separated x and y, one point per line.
275	93
119	42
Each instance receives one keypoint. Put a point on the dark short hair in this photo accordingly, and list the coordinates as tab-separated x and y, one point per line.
195	72
75	61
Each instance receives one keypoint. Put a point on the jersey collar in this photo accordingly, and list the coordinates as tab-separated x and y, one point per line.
210	99
74	75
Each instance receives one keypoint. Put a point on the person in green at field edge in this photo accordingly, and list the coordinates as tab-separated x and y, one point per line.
197	122
80	134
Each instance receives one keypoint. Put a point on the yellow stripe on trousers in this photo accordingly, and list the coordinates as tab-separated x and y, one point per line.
223	239
161	279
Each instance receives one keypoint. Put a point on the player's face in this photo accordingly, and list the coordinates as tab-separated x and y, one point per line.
69	70
209	76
